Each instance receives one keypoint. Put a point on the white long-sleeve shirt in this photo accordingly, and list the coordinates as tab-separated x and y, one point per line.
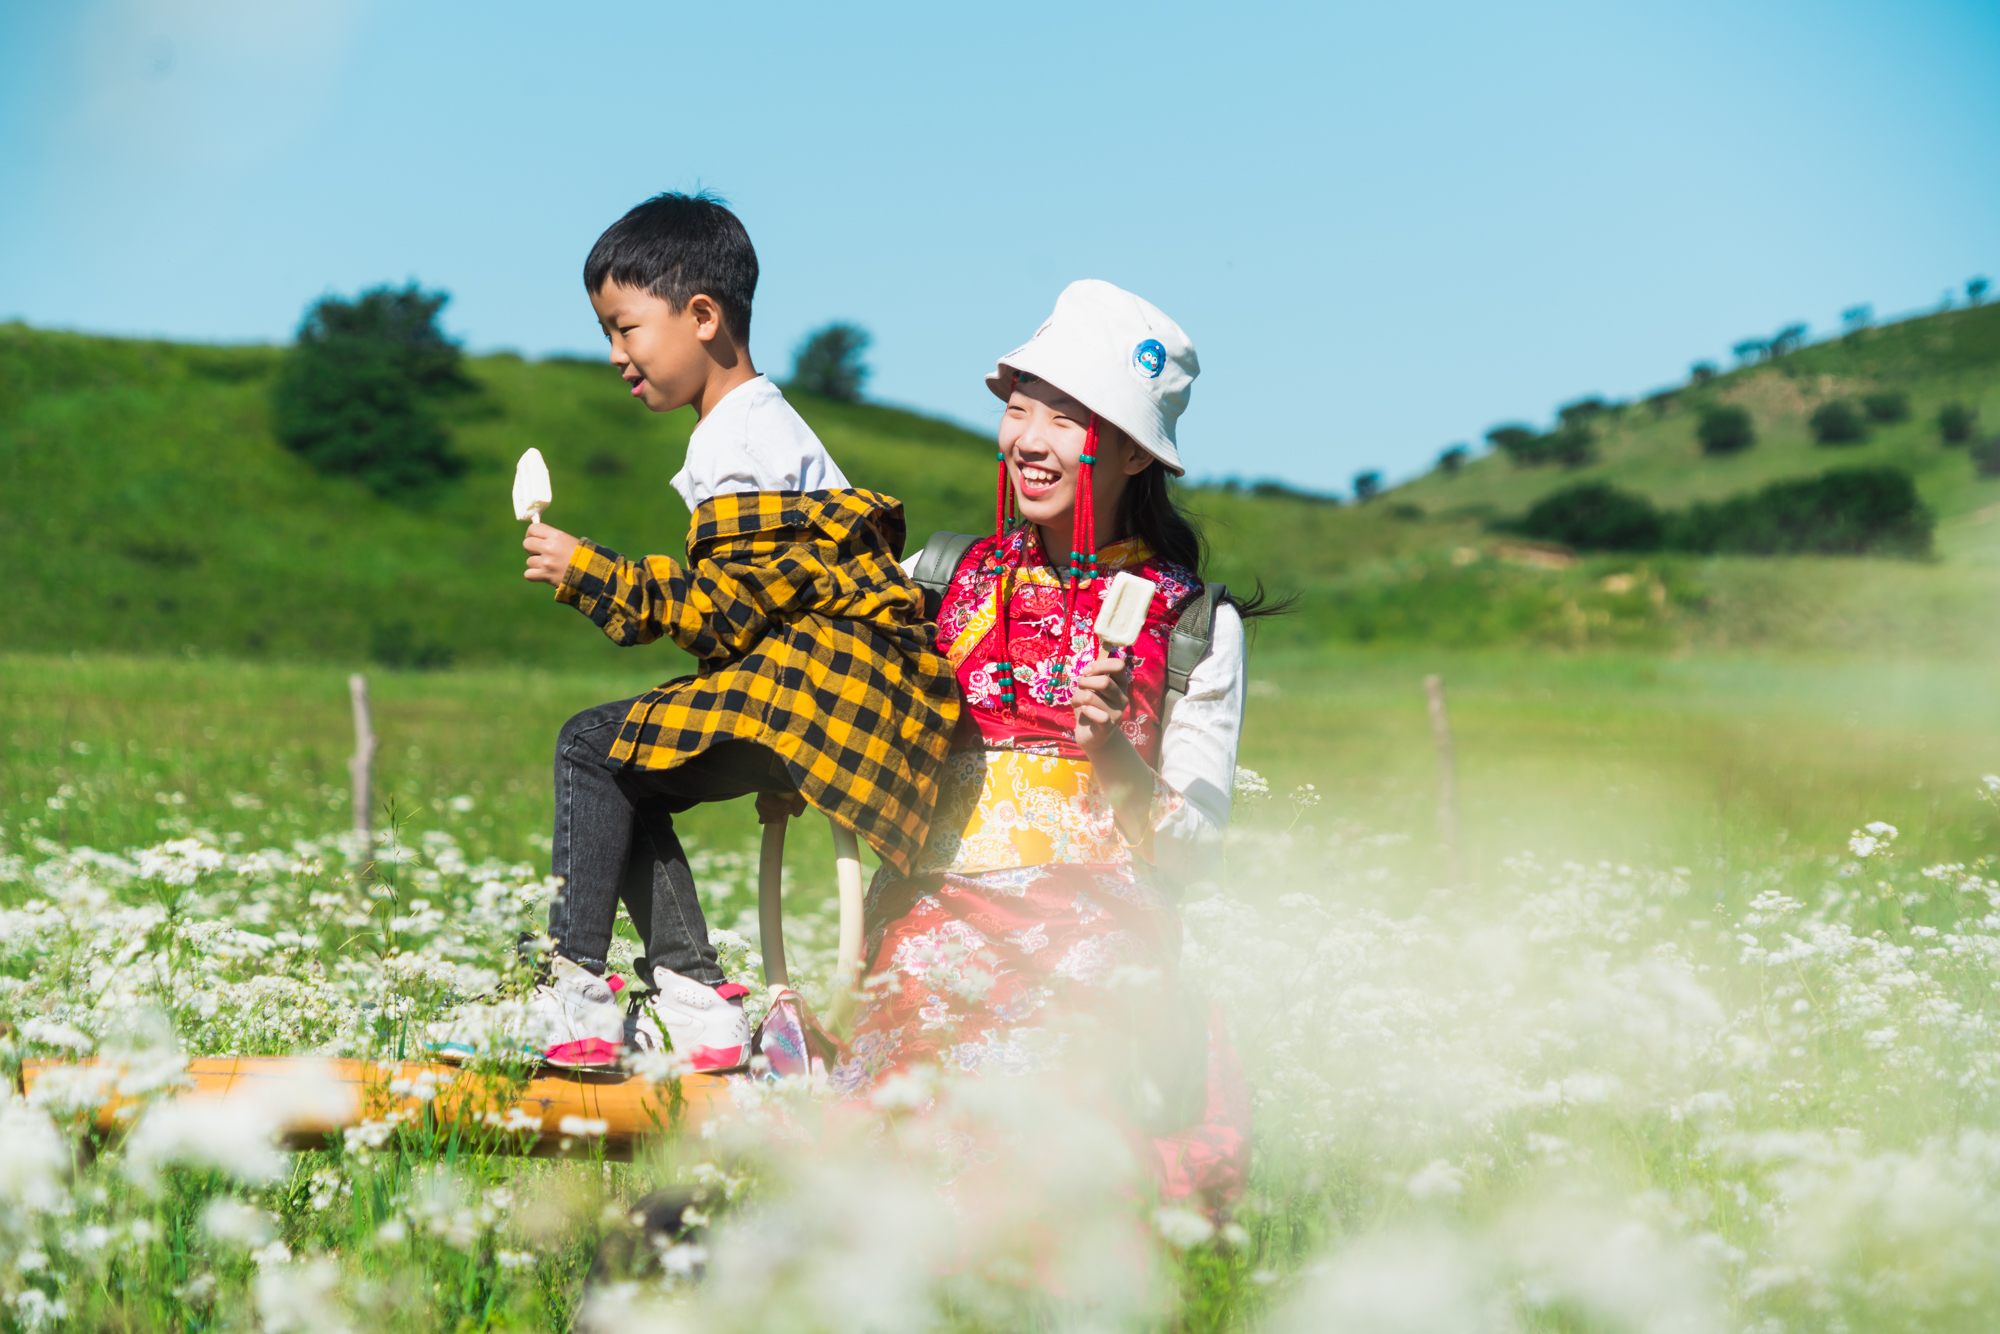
753	440
1198	755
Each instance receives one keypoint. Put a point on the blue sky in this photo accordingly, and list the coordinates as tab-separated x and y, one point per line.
1385	227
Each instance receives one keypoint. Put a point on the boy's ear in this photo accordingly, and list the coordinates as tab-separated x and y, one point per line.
706	312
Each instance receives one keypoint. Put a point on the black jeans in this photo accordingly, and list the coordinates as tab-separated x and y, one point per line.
614	839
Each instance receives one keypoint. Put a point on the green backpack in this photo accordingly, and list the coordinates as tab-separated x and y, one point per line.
1186	647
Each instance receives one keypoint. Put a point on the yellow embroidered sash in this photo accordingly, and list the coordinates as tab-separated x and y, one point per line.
1016	809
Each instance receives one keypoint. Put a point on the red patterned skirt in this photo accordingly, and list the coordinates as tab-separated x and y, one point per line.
1064	969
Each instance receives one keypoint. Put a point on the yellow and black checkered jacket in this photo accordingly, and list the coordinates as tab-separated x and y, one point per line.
811	641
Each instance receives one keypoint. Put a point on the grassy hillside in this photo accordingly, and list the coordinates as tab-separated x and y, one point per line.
148	510
1952	356
144	497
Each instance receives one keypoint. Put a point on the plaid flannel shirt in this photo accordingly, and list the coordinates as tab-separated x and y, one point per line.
811	641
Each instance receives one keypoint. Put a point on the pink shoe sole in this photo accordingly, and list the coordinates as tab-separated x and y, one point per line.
587	1054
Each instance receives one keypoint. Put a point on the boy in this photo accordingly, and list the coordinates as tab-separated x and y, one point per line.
817	681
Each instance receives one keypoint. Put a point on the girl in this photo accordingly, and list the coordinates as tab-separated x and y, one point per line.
1039	928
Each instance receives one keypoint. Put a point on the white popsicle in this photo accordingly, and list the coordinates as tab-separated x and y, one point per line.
531	487
1123	613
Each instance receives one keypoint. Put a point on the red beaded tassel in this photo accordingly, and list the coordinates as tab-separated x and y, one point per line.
1004	507
1083	544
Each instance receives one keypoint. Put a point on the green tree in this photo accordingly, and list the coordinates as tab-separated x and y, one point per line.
828	362
359	391
1702	372
1573	446
1596	516
1955	422
1452	459
1986	457
1367	485
1837	423
1725	429
1844	511
1890	405
1516	442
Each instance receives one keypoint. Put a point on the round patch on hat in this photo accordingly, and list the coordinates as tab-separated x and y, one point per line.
1150	358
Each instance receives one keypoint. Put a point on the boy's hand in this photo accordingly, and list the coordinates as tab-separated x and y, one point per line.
775	806
1099	698
548	553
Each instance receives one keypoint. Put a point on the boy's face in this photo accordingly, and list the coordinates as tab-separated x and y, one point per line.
664	354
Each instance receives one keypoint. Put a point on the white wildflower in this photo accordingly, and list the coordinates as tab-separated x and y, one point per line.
1435	1180
301	1299
234	1221
1182	1228
1250	785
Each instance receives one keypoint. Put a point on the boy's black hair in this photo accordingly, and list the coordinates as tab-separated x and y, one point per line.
677	247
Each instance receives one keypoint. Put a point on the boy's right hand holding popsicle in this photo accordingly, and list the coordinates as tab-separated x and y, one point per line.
548	548
548	553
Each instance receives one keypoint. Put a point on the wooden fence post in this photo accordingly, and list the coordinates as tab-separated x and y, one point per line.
361	767
1447	779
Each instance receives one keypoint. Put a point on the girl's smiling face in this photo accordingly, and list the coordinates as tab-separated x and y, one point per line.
1042	435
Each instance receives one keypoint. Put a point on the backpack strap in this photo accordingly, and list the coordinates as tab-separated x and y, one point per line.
936	564
1188	645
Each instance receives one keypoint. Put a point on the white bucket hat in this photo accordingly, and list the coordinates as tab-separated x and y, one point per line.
1118	355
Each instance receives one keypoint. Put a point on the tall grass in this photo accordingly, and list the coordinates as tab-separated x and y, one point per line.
1702	1042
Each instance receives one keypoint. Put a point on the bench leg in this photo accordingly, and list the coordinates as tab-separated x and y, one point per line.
770	904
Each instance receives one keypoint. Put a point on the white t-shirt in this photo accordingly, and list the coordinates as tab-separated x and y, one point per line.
753	440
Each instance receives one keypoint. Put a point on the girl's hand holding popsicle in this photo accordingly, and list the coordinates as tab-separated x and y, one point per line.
1104	689
1100	697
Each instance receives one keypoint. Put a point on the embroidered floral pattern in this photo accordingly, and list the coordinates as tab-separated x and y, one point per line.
1030	934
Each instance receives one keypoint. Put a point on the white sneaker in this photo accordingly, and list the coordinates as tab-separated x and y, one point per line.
586	1028
705	1024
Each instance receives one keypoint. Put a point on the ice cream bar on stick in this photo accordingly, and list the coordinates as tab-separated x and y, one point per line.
531	487
1123	613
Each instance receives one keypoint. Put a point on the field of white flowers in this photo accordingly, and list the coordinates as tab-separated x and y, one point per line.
1572	1097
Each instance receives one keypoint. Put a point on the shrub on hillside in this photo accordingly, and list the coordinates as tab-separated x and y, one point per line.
1452	459
1516	442
1572	446
1837	423
1725	430
1702	372
1367	485
1595	516
828	362
1890	405
358	392
1786	341
1273	490
1986	457
1845	511
1572	414
1955	422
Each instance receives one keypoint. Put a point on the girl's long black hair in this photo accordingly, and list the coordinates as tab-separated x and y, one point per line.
1149	510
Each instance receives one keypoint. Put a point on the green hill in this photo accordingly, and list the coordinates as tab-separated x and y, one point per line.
147	509
1650	447
150	509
